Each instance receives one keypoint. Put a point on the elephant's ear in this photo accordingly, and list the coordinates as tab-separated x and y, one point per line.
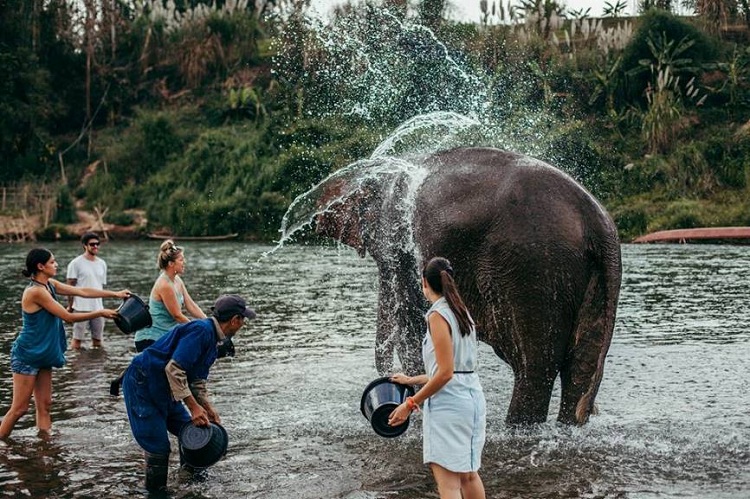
341	207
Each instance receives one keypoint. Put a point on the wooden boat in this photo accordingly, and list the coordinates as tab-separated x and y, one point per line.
735	235
222	237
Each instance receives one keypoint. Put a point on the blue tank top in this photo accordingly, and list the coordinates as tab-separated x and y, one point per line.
161	320
41	343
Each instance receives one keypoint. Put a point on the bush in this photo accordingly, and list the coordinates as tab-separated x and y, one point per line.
55	232
653	25
66	210
631	223
120	218
683	214
728	159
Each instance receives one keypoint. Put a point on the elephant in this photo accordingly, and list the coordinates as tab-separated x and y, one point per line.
537	261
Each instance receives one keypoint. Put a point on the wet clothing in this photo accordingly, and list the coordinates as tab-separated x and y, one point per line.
161	376
18	367
454	417
41	343
161	320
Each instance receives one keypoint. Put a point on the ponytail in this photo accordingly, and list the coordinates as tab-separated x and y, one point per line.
439	275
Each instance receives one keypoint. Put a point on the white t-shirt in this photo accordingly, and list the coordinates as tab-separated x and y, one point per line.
88	274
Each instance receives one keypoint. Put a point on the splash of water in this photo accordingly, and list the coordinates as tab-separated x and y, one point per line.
414	138
383	69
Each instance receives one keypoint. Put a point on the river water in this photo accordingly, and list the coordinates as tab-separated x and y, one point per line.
673	419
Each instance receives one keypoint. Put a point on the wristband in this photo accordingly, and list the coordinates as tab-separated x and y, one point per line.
411	404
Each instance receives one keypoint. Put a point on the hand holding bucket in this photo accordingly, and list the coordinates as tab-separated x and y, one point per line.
379	400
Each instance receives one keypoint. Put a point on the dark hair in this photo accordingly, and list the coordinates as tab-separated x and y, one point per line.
439	275
34	258
168	252
88	236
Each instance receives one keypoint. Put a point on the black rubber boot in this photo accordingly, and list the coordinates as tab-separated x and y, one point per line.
114	387
157	468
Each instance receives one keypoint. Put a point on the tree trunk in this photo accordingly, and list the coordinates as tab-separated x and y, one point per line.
89	34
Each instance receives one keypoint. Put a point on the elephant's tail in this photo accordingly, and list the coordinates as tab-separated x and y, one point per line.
595	327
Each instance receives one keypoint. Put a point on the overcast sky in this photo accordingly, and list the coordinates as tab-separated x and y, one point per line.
469	9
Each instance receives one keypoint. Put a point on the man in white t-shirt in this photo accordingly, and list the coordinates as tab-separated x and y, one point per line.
87	271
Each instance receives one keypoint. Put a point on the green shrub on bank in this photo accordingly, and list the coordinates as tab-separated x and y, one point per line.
651	27
66	210
631	222
120	218
55	232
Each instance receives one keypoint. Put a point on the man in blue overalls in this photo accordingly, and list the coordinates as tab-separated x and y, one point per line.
171	375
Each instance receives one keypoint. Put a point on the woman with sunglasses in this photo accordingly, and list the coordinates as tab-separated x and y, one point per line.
41	344
168	298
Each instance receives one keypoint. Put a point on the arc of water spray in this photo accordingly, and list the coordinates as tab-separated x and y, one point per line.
382	163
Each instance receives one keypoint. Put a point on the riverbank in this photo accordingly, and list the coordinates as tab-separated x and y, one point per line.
30	228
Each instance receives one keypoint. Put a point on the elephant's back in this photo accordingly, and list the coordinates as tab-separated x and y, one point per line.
527	199
516	226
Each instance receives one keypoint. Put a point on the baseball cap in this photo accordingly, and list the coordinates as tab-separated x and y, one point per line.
227	306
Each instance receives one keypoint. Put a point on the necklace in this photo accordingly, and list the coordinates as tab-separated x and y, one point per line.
46	286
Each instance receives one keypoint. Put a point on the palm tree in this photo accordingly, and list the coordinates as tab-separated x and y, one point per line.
614	9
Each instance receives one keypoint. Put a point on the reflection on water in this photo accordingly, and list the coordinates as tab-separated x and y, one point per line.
673	404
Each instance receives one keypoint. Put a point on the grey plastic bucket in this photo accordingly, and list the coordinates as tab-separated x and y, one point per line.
379	400
132	315
203	446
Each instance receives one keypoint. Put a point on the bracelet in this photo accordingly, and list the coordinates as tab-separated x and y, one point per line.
411	404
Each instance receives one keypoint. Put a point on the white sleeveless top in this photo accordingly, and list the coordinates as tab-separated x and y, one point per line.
464	349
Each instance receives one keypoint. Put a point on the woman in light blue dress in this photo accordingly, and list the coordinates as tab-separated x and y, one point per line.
452	399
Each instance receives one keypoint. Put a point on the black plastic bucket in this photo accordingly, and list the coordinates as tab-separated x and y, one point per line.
132	315
203	446
379	400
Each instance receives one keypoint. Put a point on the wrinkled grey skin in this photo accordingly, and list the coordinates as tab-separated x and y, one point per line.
536	259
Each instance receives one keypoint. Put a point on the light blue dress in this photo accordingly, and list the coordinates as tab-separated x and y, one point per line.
161	320
454	418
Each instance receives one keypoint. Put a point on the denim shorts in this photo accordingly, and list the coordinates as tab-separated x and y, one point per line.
19	367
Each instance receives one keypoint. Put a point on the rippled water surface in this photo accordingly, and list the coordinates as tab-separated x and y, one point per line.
674	415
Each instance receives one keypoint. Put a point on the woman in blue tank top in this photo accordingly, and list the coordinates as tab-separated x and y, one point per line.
168	297
41	344
453	404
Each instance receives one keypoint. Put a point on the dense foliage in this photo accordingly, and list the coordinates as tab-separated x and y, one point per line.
212	117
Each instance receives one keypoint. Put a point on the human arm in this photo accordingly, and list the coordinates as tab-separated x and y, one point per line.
37	298
420	379
441	338
66	289
71	282
194	395
190	305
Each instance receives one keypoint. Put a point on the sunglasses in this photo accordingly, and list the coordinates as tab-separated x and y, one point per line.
94	245
173	248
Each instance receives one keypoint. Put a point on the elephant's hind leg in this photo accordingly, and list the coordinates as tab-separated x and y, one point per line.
582	370
530	401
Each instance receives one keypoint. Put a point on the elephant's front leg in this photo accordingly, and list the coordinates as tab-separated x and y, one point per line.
401	323
384	339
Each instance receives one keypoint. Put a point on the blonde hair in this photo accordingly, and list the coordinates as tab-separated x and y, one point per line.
168	252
